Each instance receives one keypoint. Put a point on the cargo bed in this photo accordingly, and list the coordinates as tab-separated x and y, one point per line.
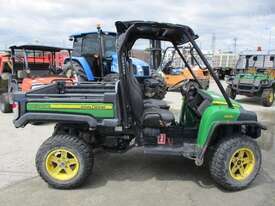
92	103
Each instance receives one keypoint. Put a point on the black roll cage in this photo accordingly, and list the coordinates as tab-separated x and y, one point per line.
130	31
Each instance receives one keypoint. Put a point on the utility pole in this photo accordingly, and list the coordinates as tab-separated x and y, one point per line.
235	39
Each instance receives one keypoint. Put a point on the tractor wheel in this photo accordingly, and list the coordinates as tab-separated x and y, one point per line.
161	90
64	161
267	98
70	69
230	92
5	106
235	162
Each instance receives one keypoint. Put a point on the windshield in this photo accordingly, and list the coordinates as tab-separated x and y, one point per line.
89	44
109	45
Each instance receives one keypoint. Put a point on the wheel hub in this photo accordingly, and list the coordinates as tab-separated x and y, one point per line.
62	164
242	164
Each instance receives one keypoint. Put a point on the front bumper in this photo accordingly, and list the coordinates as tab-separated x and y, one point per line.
248	89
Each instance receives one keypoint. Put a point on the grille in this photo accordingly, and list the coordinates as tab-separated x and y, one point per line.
245	87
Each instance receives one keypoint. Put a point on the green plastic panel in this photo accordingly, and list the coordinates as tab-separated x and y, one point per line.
97	110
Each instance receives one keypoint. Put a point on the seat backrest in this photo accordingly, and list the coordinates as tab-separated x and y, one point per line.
135	95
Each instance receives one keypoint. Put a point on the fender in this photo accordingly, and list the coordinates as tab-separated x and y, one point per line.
201	151
85	65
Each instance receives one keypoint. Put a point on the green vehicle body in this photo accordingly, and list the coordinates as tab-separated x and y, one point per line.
96	110
217	113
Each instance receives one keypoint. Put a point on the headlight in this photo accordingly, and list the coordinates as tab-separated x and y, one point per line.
139	71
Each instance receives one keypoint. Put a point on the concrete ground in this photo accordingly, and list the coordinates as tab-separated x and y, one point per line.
131	178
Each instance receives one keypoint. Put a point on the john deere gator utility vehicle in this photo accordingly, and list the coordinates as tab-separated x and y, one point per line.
114	116
255	77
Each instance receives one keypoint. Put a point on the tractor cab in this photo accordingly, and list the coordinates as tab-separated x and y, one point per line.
97	49
36	65
94	58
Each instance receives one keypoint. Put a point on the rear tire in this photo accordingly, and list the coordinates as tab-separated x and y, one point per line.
235	162
230	92
64	161
267	97
5	106
77	68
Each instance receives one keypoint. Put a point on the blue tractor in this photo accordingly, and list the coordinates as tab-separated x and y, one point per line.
94	58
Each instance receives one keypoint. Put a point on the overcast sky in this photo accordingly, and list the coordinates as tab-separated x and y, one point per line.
52	21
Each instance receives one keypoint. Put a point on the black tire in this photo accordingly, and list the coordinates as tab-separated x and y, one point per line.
5	106
77	69
78	147
220	162
267	97
231	92
161	90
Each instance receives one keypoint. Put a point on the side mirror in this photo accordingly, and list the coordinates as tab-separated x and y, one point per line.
255	58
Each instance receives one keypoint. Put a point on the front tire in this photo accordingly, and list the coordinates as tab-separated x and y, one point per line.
267	98
235	163
231	92
64	161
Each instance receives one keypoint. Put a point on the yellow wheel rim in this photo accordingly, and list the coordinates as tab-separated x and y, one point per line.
62	164
242	164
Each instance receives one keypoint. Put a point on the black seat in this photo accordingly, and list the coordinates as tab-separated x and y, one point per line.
156	117
148	102
149	116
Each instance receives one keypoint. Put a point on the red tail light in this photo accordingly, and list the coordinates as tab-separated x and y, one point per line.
15	109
